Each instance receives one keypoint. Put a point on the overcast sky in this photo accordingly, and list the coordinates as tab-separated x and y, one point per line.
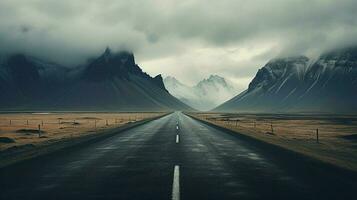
188	39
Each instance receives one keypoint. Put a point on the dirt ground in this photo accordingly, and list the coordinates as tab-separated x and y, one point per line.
337	135
18	129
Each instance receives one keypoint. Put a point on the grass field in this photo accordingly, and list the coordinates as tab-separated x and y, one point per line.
19	129
337	143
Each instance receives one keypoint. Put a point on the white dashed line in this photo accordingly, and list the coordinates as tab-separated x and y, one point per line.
176	184
177	139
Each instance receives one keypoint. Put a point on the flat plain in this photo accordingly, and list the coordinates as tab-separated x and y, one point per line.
36	129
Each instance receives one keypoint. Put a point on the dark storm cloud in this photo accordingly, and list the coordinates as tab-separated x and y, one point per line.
69	31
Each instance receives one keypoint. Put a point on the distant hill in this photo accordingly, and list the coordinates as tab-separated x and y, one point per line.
113	81
205	95
297	84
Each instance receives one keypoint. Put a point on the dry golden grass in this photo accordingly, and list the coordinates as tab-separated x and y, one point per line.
23	127
337	134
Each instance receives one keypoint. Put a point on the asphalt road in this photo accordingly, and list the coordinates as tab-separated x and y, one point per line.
175	157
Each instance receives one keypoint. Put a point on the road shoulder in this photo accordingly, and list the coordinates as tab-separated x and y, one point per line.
26	152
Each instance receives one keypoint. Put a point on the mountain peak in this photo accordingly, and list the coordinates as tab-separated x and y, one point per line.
347	53
107	51
159	81
205	95
286	61
213	80
278	68
121	57
171	79
109	64
172	82
216	78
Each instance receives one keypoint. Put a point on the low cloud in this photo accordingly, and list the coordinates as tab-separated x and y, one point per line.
180	38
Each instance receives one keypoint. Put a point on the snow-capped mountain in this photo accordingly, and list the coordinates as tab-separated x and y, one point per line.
205	95
113	81
297	84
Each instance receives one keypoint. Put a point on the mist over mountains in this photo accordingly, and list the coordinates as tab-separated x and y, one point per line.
205	95
299	84
112	81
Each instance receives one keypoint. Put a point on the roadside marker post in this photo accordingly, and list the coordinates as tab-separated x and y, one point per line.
39	130
317	135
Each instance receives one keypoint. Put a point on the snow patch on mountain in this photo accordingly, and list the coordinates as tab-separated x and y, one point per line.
299	84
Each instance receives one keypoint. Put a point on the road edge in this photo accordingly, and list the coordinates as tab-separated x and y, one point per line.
11	158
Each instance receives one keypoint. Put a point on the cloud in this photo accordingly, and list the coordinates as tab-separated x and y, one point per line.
188	38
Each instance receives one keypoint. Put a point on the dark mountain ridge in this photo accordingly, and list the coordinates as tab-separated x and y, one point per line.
113	81
297	84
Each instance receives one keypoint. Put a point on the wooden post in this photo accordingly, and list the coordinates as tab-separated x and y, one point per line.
39	130
271	126
317	135
10	121
106	122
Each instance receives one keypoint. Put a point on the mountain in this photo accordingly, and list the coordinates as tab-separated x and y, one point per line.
181	91
26	80
113	81
205	95
298	84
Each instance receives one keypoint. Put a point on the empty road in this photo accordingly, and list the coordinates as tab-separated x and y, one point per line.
175	157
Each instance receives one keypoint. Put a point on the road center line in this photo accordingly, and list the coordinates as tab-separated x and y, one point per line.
177	138
176	184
